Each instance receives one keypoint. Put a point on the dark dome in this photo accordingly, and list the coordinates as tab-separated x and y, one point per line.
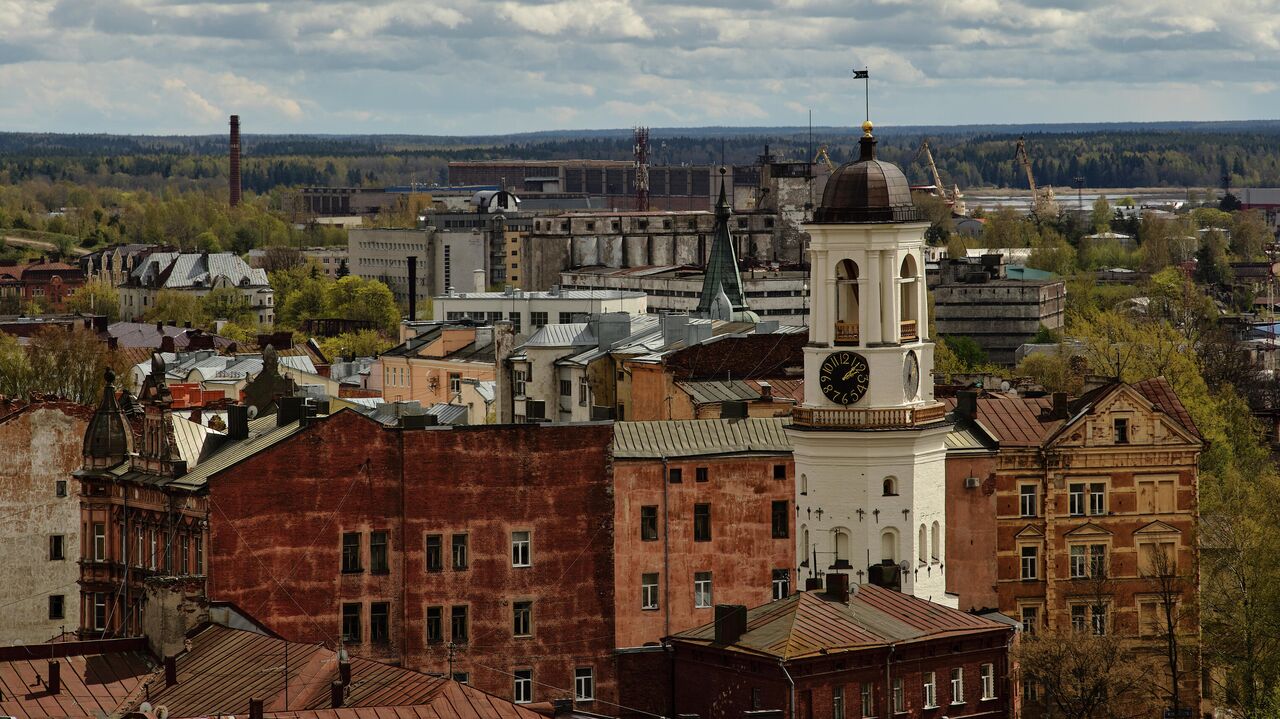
867	190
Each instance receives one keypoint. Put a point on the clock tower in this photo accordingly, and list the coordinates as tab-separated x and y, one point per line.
869	438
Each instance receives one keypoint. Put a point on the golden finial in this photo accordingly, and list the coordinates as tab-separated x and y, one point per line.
866	128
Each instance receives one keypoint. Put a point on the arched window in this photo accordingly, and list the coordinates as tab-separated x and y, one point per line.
936	543
889	546
804	543
804	483
846	302
890	486
923	545
841	540
909	305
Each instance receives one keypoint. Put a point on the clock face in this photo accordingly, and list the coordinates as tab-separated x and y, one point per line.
844	377
911	376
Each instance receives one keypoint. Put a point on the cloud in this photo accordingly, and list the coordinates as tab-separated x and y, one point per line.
478	66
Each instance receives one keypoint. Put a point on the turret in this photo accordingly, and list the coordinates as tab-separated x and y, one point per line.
108	441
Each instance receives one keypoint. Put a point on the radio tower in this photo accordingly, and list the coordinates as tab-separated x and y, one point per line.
642	168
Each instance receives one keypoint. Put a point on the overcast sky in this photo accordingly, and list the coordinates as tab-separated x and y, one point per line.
479	66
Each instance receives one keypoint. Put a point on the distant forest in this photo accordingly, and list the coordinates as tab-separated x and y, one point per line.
1105	155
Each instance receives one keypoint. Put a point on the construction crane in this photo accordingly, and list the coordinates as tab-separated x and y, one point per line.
822	155
953	196
1043	203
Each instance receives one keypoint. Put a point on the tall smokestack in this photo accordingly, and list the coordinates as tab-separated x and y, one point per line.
235	160
413	287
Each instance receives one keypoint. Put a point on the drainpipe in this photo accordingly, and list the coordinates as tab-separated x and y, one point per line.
782	664
888	681
666	552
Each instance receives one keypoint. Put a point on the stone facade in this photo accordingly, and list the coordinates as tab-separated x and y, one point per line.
1000	315
40	443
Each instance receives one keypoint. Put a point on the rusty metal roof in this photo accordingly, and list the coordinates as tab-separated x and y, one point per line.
1013	421
699	437
225	668
1160	393
809	623
93	685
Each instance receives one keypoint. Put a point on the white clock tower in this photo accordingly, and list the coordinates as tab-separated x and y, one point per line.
869	439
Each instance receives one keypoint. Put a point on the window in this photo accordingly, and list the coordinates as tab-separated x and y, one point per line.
702	522
1156	496
1030	561
1098	619
458	624
378	552
935	551
584	684
60	488
700	474
649	591
1030	618
1088	560
520	556
930	690
1090	496
518	382
899	697
184	552
779	471
154	550
584	391
1030	692
523	692
702	590
379	613
781	520
1121	426
675	475
1089	618
462	677
566	388
522	619
351	623
890	487
514	317
459	551
1097	498
57	606
1158	557
99	611
868	699
537	319
55	548
350	552
649	523
199	553
957	685
566	318
435	553
1076	502
435	625
1027	500
455	383
1152	621
988	674
804	484
837	703
781	584
99	542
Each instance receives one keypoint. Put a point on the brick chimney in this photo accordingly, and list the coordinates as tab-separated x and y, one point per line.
967	404
170	671
838	587
731	623
1061	410
234	177
55	676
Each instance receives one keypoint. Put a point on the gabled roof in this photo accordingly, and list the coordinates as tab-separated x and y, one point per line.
92	685
808	624
1160	393
1158	527
699	437
1089	529
1030	530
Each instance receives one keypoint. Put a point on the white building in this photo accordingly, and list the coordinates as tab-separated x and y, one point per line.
528	311
195	273
869	438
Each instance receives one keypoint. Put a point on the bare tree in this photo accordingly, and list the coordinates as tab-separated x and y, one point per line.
1169	587
280	257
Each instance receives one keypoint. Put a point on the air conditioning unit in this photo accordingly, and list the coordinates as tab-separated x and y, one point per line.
971	482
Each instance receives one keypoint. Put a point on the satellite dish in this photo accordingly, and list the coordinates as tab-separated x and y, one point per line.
162	711
145	707
253	412
1004	386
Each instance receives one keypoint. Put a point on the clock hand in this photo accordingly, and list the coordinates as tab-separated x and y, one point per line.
852	371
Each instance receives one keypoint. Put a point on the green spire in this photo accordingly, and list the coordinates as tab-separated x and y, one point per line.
722	266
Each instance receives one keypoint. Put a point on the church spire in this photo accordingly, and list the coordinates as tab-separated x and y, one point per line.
722	280
108	439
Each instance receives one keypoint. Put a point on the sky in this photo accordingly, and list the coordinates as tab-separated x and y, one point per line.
463	67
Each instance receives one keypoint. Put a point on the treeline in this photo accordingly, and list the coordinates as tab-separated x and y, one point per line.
1114	156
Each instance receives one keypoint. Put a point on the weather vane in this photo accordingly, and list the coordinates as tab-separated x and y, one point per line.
865	75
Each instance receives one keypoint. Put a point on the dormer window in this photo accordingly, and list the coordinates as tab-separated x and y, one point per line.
1121	430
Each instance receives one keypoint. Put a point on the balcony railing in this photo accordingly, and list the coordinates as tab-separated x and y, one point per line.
908	331
846	333
868	418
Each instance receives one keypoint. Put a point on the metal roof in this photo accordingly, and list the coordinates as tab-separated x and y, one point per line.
543	295
195	441
713	391
699	437
574	334
808	624
263	433
93	685
448	413
963	438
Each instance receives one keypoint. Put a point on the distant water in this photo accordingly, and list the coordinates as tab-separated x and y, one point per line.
1067	199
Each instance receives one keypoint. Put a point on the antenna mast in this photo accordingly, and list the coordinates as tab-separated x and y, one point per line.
642	168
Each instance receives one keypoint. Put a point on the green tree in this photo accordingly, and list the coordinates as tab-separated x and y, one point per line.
228	303
365	343
1100	219
967	352
1212	266
1006	228
96	297
1249	234
356	298
1052	370
173	306
1052	253
15	368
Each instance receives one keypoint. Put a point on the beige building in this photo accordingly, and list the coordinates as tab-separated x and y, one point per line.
528	311
442	364
40	538
198	274
780	295
444	258
328	259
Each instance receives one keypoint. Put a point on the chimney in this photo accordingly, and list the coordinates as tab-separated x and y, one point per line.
478	277
167	345
1060	409
413	286
170	671
731	623
159	326
766	392
504	340
54	684
967	403
838	587
344	669
234	178
196	416
237	422
335	694
812	584
255	709
289	410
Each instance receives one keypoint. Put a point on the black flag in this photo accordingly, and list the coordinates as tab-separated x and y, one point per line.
861	75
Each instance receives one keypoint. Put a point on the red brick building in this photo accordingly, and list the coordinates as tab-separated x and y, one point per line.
42	281
872	653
